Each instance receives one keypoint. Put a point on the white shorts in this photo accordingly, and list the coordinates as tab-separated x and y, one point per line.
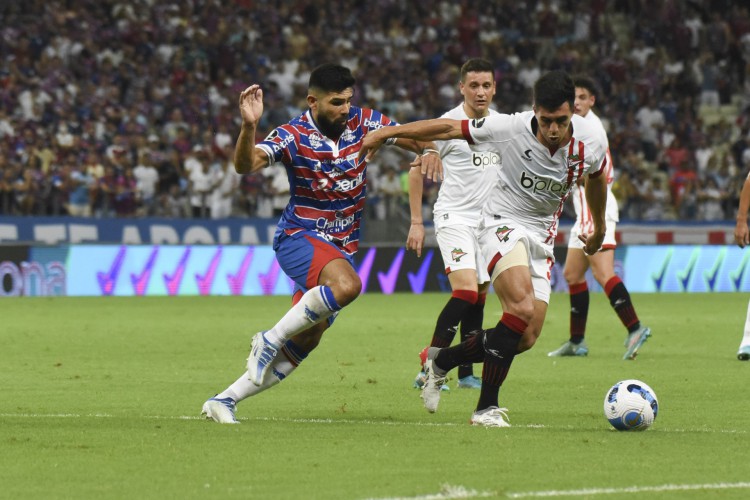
609	243
459	246
498	240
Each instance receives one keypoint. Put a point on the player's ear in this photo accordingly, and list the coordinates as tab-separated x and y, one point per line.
312	100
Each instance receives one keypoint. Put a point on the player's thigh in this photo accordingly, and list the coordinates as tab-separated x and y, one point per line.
310	260
514	288
576	264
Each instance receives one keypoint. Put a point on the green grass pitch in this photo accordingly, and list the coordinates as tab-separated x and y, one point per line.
101	396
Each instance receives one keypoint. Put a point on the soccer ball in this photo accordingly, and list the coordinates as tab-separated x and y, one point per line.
631	405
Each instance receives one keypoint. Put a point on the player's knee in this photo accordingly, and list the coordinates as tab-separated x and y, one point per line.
523	310
347	289
572	276
529	338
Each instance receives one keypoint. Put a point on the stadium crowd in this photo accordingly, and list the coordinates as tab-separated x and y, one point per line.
129	108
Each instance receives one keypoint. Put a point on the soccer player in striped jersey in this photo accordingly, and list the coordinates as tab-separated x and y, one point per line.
602	263
468	178
543	153
318	232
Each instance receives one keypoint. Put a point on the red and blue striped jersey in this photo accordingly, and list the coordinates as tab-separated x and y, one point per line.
327	184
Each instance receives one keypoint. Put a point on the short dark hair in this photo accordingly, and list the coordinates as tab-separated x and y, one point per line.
554	89
331	78
587	83
477	65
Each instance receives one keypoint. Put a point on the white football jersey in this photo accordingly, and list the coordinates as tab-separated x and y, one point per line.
532	183
468	177
581	207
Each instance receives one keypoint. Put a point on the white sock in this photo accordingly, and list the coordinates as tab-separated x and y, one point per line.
746	335
316	305
242	388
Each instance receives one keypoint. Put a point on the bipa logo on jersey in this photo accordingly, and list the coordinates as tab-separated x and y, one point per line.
485	159
537	184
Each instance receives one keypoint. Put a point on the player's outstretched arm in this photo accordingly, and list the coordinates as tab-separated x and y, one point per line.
415	239
439	129
248	158
741	233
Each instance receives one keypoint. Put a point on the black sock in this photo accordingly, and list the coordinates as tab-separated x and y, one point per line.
450	316
579	311
500	347
467	352
619	299
471	324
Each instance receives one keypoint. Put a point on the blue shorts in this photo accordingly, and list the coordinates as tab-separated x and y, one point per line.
303	255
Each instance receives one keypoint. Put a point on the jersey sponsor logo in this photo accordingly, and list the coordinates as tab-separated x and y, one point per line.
503	233
485	159
456	254
477	123
283	144
527	155
537	184
321	184
273	135
334	226
372	124
349	184
337	185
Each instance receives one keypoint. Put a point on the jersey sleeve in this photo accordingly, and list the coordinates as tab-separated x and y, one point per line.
373	120
277	145
493	128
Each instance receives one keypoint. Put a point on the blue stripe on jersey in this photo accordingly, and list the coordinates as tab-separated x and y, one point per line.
327	185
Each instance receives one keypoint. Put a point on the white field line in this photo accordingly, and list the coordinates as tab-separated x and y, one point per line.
459	492
448	492
629	489
346	421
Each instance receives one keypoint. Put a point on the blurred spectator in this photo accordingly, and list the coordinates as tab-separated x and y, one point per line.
203	179
147	182
650	121
79	186
711	199
108	80
227	187
277	187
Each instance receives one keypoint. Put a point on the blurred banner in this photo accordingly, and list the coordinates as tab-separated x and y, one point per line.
129	270
153	231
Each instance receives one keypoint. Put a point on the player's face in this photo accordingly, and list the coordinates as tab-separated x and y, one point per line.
554	125
331	111
478	89
584	101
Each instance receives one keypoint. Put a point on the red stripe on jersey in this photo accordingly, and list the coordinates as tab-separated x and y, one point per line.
465	131
582	158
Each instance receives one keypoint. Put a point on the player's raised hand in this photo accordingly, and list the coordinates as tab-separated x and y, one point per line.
251	105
